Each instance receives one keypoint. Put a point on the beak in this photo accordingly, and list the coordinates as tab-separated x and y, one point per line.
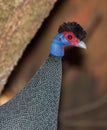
81	44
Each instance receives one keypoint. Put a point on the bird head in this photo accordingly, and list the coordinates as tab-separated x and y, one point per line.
69	34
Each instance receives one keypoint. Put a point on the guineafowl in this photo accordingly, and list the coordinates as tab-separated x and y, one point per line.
35	107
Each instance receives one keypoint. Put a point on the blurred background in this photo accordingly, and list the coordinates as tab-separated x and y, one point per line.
83	101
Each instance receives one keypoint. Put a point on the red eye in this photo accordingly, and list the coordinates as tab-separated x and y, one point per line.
69	37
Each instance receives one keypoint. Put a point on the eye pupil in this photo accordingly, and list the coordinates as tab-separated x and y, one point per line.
69	37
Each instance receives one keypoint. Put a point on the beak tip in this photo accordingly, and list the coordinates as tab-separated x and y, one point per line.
82	45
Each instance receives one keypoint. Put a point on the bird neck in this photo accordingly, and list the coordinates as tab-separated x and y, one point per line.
56	49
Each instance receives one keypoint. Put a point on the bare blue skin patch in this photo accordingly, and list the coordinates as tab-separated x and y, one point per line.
58	42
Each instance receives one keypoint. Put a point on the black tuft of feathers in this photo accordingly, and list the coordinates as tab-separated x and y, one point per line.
73	27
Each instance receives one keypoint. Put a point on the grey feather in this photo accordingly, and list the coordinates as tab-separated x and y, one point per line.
35	107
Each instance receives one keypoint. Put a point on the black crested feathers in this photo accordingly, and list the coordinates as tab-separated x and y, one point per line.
73	27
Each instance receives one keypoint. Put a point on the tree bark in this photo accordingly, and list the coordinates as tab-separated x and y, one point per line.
19	21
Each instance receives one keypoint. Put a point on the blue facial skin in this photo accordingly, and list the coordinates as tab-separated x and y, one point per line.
58	42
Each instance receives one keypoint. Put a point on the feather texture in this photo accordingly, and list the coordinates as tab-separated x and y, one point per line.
35	107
